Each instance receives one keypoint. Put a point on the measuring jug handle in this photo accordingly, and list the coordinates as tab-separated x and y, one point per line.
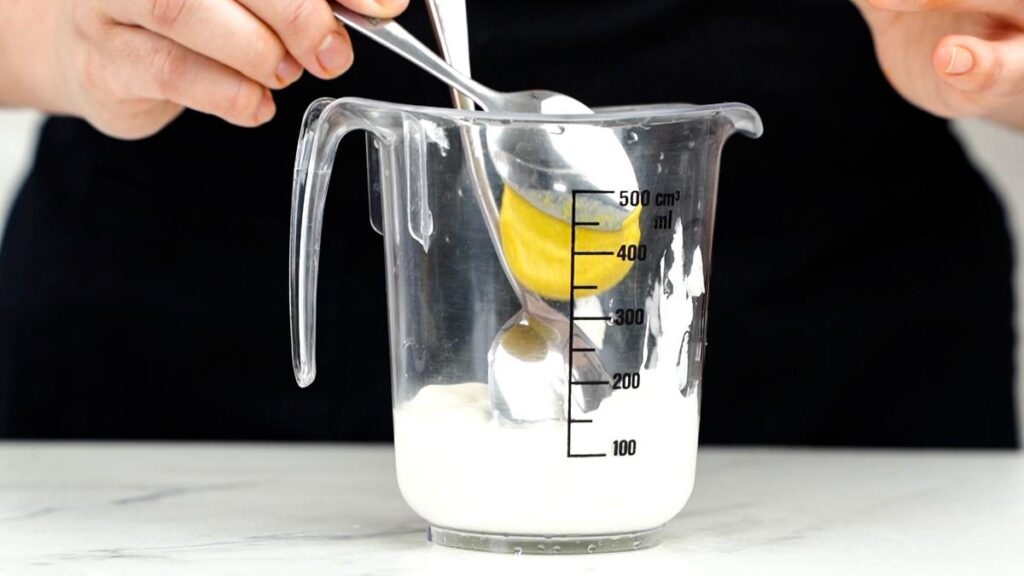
326	122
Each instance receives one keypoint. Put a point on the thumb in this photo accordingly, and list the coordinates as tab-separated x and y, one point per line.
982	68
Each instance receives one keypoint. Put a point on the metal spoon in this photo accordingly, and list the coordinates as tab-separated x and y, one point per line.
451	30
543	168
528	358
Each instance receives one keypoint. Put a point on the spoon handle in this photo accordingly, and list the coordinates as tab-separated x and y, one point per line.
394	37
448	18
451	29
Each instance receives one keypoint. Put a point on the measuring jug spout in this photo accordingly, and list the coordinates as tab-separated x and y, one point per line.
745	119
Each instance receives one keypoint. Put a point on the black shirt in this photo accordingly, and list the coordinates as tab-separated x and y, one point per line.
861	290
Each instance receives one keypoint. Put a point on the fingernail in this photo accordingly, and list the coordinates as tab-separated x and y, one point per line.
961	61
288	70
334	55
266	109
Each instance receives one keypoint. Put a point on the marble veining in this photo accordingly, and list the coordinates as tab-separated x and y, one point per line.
141	509
173	491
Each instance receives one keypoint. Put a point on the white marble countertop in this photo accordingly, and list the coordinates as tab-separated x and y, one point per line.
306	509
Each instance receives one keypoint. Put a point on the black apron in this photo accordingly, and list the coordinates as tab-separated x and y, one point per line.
861	289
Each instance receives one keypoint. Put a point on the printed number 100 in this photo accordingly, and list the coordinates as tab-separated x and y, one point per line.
624	448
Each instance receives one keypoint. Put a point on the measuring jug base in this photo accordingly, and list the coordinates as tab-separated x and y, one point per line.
517	544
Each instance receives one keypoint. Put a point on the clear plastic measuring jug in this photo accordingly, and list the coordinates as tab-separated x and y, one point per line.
589	476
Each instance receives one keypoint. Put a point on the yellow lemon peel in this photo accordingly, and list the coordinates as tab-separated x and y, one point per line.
538	249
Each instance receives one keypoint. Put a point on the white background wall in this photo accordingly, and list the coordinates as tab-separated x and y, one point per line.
997	151
17	138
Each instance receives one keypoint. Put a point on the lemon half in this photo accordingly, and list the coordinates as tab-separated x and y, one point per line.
538	249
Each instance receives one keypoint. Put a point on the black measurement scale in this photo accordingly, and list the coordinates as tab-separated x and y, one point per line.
662	220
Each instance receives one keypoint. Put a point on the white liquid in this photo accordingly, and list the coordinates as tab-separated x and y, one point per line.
459	468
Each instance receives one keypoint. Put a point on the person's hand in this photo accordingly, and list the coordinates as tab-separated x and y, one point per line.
953	58
129	67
